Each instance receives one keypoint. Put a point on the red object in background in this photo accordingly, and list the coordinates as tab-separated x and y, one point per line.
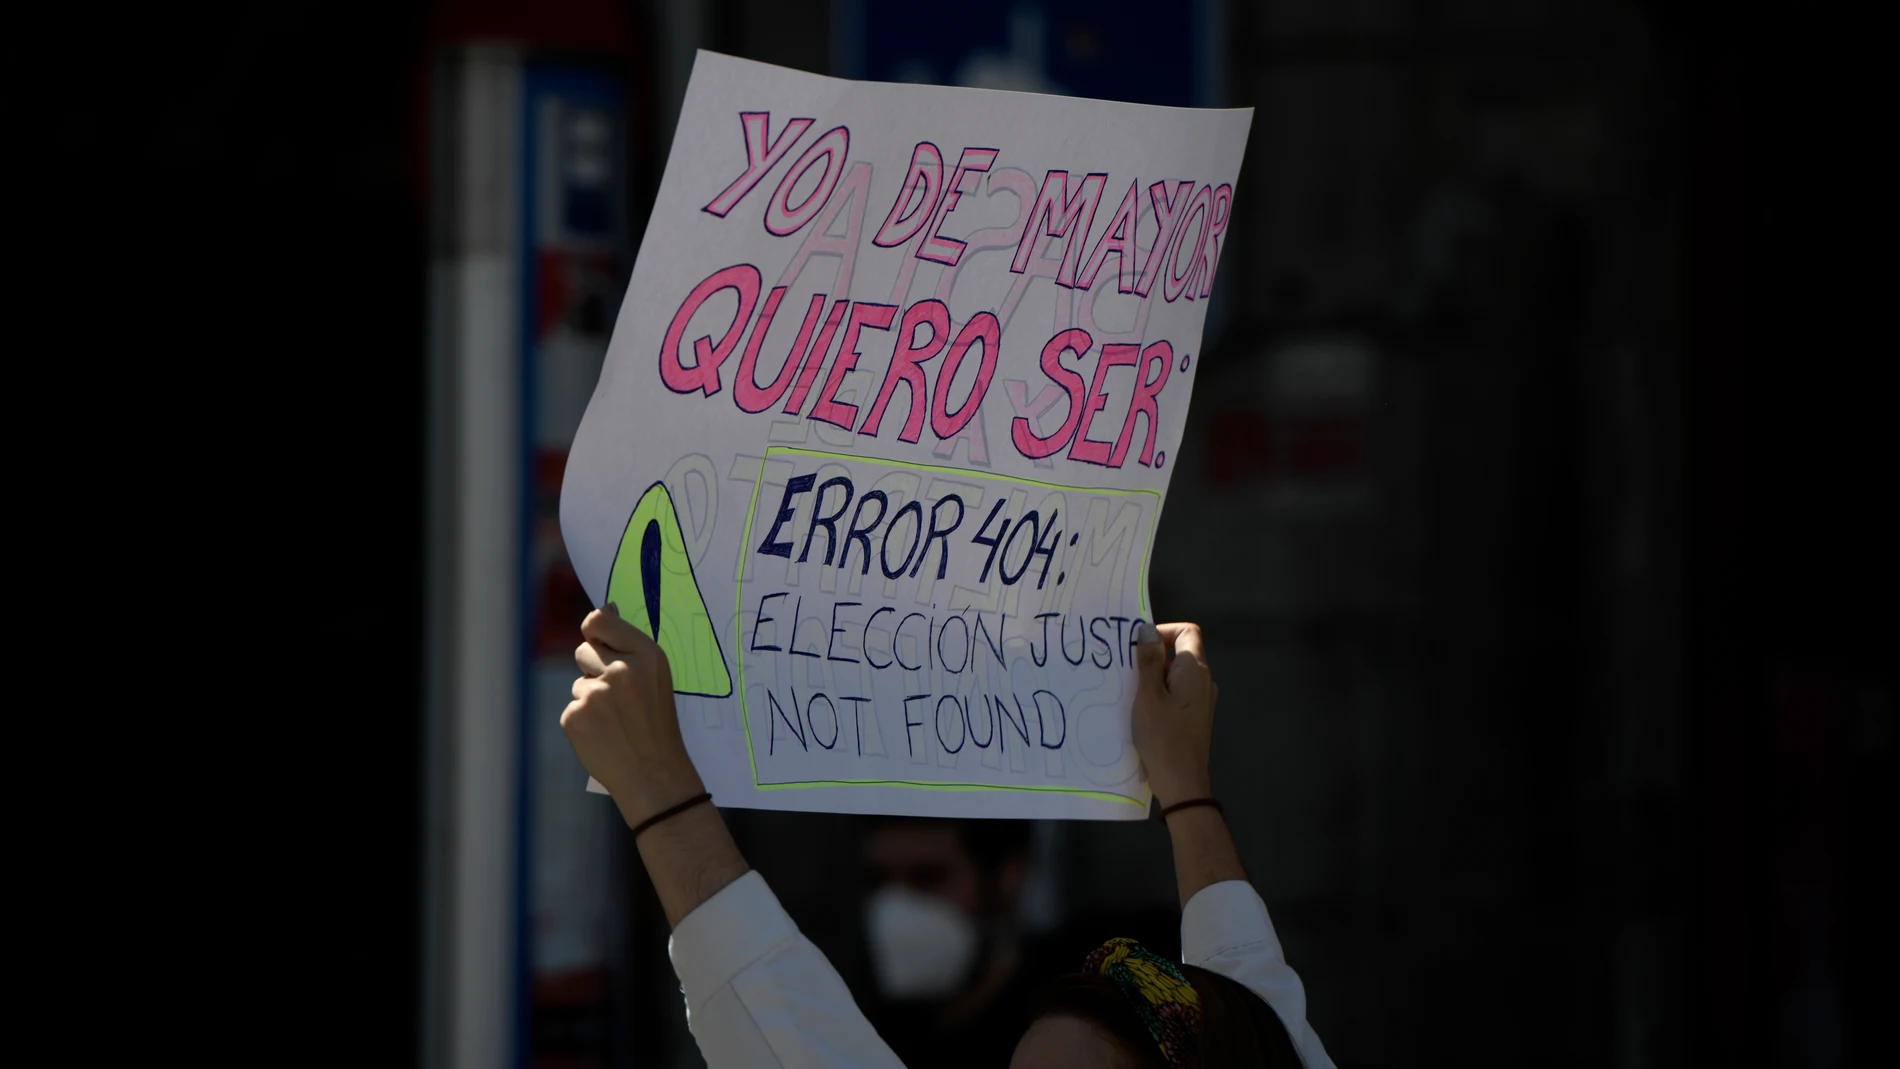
1238	446
550	465
572	989
564	603
1249	445
1323	446
556	290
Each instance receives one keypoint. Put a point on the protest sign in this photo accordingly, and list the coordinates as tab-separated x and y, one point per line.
885	428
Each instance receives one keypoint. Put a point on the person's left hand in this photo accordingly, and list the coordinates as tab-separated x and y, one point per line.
622	723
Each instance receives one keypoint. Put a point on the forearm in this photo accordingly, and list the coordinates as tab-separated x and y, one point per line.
690	856
1204	851
625	730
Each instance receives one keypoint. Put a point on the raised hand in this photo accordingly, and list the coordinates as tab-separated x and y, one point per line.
622	722
1174	711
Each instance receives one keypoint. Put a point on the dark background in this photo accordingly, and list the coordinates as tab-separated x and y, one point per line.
1623	621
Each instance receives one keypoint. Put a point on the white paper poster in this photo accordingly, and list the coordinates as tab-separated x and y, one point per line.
885	430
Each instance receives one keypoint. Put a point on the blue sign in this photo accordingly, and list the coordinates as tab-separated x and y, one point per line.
573	249
1114	50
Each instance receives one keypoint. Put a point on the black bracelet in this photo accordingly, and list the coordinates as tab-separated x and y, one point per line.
1191	803
665	813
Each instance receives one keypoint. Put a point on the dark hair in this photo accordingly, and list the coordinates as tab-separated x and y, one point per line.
1238	1029
990	842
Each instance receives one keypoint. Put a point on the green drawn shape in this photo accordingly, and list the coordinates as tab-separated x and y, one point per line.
652	585
745	712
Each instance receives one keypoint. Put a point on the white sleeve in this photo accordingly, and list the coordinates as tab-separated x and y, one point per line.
1225	929
758	993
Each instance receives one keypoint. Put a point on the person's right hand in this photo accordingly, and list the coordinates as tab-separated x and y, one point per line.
1174	711
622	722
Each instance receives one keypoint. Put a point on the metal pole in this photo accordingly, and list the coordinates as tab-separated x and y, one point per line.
472	692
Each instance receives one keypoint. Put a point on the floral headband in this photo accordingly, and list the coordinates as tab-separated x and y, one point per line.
1160	994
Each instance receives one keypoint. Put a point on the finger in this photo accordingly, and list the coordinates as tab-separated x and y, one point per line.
1189	667
1184	639
1151	658
1170	632
605	627
593	659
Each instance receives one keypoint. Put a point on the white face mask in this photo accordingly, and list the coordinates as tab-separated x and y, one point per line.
921	946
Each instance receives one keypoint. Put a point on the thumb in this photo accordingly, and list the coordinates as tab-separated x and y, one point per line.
1151	658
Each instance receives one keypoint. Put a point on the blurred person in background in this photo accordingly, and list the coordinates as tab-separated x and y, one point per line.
955	975
759	994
